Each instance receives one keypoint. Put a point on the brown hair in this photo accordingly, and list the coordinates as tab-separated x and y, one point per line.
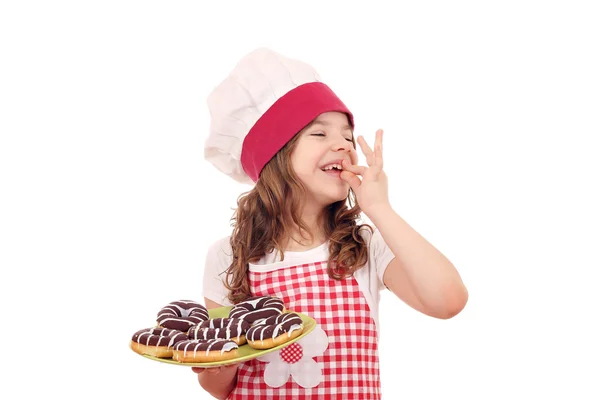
264	218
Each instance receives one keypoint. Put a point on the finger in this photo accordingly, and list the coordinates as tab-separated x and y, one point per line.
198	370
366	151
352	180
378	153
355	169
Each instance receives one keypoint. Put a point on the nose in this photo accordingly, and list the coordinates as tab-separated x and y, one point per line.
347	147
341	144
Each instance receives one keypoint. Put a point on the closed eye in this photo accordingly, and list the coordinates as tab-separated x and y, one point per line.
322	134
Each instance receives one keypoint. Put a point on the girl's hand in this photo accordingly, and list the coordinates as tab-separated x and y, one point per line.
217	381
372	191
214	370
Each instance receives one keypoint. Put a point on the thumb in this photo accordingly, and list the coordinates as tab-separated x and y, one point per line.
351	179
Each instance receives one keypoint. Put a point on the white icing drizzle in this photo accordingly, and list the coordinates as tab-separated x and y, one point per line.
171	342
176	310
229	346
214	327
196	344
294	328
162	335
272	304
182	311
278	328
246	313
253	302
164	321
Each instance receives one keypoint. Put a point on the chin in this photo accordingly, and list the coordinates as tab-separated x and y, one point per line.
331	198
326	195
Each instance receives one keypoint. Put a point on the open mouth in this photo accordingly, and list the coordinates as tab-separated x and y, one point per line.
333	170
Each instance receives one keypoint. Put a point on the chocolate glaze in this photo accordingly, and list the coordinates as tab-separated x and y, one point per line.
222	328
159	337
275	326
256	309
181	315
194	346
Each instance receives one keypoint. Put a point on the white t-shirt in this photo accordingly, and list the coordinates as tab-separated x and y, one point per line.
369	277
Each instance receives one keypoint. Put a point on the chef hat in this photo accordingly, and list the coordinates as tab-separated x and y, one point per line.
263	103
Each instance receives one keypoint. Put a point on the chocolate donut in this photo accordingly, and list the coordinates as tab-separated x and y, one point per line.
221	328
274	331
157	342
205	350
256	309
181	315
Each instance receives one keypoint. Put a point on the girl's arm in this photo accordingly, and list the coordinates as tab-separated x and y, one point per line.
218	382
420	274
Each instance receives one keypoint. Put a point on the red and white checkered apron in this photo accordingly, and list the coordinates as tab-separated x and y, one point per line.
350	364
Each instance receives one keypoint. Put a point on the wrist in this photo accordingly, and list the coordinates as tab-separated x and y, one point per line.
379	212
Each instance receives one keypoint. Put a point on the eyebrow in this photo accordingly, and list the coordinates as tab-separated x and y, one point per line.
325	123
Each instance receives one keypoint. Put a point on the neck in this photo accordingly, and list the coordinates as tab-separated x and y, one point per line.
301	238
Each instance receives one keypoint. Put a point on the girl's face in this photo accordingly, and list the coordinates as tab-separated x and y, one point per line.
316	159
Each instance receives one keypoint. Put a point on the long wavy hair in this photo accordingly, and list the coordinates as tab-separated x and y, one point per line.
266	215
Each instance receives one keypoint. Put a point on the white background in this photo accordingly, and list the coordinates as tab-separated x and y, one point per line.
490	113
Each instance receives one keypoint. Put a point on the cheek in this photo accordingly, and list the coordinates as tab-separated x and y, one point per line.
303	167
354	157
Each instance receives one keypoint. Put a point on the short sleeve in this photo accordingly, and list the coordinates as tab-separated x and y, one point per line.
218	259
370	276
380	255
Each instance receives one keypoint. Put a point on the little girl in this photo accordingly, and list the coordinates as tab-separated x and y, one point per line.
297	235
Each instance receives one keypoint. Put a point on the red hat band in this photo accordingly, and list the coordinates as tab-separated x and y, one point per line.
283	120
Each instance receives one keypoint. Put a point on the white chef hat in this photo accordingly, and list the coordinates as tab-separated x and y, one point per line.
263	103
